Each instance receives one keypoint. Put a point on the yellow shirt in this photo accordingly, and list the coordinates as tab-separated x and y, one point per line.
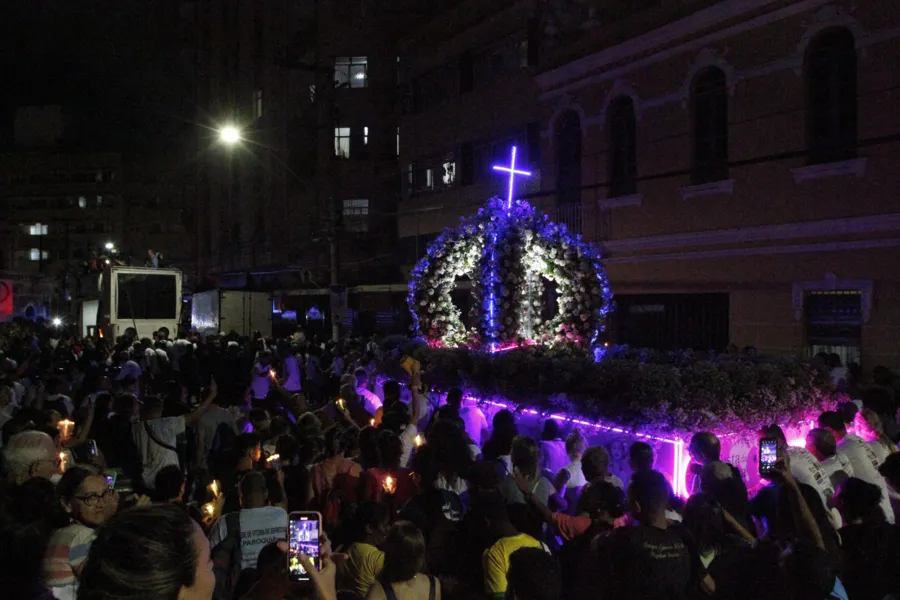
362	567
496	560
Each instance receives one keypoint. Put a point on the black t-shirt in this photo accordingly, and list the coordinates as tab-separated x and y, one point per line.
871	555
642	562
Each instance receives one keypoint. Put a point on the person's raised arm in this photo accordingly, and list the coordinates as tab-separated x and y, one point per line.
192	417
803	517
415	384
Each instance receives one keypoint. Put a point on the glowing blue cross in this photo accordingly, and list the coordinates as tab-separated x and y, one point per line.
511	169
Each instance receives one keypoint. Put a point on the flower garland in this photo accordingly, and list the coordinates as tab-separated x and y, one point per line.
505	251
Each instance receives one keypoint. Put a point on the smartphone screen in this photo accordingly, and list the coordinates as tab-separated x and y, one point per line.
92	448
111	479
768	455
303	538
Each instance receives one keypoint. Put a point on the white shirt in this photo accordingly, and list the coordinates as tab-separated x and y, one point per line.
865	467
475	422
880	451
292	372
208	424
407	439
259	527
153	456
553	455
576	476
806	469
259	384
838	462
371	401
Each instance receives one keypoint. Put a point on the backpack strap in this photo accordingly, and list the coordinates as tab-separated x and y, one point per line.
389	591
432	588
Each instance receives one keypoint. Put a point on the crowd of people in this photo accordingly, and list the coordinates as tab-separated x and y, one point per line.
164	469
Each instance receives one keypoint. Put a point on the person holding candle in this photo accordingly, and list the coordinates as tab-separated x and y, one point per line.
390	452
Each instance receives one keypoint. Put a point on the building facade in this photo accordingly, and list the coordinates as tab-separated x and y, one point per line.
735	161
312	183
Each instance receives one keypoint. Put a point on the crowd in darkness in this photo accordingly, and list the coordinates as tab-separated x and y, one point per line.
166	469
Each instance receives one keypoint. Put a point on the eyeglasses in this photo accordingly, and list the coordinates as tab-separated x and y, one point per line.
95	499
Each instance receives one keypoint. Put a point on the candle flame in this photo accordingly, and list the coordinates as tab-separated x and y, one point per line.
214	487
274	457
210	509
418	441
389	485
371	422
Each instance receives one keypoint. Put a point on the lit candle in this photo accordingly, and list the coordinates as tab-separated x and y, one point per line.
371	422
65	429
273	374
63	458
214	487
418	441
341	404
273	458
209	509
389	485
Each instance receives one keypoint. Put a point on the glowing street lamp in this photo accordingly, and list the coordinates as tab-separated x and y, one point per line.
57	322
230	135
109	246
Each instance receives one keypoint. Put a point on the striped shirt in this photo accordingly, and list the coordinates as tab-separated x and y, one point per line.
66	553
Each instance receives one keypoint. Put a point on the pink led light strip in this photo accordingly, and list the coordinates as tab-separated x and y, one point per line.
680	458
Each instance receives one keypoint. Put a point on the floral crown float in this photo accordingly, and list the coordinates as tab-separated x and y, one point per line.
506	250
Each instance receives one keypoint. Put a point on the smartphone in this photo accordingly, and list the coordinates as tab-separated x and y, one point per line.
304	529
111	479
768	456
92	448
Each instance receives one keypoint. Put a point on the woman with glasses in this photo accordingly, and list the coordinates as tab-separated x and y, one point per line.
86	501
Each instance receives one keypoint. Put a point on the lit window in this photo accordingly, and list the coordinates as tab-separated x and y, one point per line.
449	172
356	215
82	202
351	71
37	229
36	254
365	136
429	179
342	142
258	103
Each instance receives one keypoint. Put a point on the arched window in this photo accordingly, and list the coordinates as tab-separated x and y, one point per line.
568	158
709	98
831	96
622	148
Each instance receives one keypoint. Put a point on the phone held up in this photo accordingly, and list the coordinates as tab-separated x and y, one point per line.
304	529
768	456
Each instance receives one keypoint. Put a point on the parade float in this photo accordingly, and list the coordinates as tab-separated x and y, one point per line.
560	368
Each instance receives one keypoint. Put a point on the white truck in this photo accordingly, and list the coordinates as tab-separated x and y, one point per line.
237	311
140	297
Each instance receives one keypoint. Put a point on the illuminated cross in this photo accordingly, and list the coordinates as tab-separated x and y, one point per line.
511	169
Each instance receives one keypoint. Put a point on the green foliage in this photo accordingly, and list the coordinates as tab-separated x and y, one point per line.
647	391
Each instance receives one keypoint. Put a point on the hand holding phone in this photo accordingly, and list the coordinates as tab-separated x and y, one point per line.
768	456
304	530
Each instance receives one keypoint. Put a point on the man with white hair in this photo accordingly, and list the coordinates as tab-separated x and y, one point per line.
30	454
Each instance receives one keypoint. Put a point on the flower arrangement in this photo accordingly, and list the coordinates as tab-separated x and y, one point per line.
646	391
505	250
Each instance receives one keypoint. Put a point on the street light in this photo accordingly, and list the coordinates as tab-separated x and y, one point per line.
230	135
57	322
109	245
